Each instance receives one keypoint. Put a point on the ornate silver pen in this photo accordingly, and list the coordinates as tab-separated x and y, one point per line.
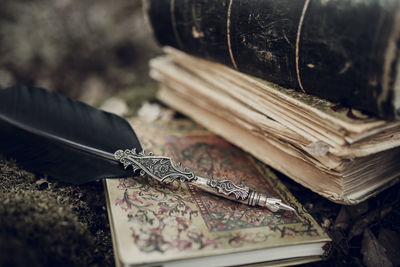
162	169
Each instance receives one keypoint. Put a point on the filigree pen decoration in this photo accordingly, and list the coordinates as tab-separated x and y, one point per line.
227	187
158	167
162	169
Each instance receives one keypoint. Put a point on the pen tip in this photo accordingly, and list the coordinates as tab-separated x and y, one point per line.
286	207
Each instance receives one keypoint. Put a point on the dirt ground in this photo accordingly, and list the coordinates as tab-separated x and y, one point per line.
47	223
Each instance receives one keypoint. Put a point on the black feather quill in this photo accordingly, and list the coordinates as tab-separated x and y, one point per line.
65	139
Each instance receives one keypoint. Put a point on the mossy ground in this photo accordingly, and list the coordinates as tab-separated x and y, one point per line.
51	224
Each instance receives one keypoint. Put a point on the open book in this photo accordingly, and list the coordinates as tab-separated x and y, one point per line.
155	224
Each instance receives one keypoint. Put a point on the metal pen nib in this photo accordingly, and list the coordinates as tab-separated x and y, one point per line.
162	169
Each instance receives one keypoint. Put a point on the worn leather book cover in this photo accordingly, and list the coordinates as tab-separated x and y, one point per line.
155	224
344	51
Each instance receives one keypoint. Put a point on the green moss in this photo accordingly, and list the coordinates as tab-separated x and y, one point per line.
51	224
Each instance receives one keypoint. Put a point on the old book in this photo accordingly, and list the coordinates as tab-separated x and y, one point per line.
344	51
155	224
337	152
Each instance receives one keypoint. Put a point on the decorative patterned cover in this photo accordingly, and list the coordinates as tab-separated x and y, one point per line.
155	222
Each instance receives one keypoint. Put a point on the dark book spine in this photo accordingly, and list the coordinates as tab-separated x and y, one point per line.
346	51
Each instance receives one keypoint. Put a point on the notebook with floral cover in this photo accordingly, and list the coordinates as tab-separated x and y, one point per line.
155	224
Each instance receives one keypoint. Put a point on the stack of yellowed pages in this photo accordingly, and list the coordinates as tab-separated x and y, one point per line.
336	151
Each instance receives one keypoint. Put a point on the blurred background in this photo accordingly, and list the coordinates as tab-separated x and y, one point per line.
84	49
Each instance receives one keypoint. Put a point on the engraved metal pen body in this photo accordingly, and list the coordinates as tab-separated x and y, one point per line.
239	193
162	169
